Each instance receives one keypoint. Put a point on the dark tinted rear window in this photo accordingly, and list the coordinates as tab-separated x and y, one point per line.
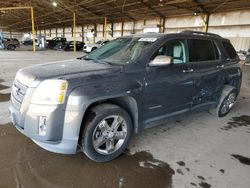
202	50
230	50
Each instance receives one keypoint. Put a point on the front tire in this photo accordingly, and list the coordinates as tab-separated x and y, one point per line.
106	134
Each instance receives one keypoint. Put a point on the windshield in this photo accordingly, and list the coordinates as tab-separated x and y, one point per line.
121	51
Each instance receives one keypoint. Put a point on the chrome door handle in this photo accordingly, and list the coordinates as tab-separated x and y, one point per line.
219	66
188	70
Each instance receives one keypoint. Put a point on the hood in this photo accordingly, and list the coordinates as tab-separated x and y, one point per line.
62	69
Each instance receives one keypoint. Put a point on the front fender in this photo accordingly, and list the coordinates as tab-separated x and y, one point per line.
82	97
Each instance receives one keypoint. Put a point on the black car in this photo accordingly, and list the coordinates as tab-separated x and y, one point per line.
95	104
247	60
69	46
28	42
55	41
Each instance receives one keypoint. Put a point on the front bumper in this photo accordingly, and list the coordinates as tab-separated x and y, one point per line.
61	126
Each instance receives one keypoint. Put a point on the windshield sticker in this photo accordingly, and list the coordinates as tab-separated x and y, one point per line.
147	39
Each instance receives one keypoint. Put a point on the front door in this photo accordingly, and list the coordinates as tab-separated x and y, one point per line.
168	90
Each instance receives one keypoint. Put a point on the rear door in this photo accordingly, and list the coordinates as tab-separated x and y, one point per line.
205	57
231	72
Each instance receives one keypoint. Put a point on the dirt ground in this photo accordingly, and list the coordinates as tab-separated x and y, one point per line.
196	150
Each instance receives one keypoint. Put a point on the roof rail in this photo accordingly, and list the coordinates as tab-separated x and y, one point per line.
201	33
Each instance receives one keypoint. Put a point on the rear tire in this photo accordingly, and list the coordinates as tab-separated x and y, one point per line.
226	103
11	47
106	132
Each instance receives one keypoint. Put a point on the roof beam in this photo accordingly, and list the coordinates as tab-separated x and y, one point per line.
125	14
203	9
176	2
89	11
152	9
220	5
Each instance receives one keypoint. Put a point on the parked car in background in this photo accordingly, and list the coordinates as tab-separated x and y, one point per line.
11	43
28	42
91	47
247	59
69	46
55	41
242	55
135	82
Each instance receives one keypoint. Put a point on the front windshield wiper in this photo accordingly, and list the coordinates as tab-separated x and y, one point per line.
99	61
80	58
87	58
108	62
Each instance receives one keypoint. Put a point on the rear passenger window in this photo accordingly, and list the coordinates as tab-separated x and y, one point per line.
202	50
230	50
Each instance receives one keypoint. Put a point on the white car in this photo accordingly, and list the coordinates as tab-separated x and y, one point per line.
91	47
247	59
242	55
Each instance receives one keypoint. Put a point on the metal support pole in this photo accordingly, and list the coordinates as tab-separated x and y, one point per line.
33	28
205	20
122	28
112	29
163	25
74	30
133	32
105	27
95	29
82	33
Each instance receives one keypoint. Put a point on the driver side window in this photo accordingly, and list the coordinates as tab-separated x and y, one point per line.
176	49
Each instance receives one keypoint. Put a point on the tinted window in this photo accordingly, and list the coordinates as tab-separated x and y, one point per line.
230	50
202	50
174	48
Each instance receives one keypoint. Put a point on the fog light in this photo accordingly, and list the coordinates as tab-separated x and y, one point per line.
42	125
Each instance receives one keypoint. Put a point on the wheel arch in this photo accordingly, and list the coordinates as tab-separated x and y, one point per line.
234	79
128	103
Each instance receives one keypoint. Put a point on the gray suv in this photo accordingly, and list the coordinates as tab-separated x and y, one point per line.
97	102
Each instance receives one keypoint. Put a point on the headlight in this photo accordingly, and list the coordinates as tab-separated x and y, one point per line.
50	92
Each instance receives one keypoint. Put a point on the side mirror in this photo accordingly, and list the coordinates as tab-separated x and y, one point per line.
161	60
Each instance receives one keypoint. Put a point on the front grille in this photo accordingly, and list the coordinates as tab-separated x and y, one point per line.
17	94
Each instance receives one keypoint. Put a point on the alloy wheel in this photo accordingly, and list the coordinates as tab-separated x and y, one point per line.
228	103
109	135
